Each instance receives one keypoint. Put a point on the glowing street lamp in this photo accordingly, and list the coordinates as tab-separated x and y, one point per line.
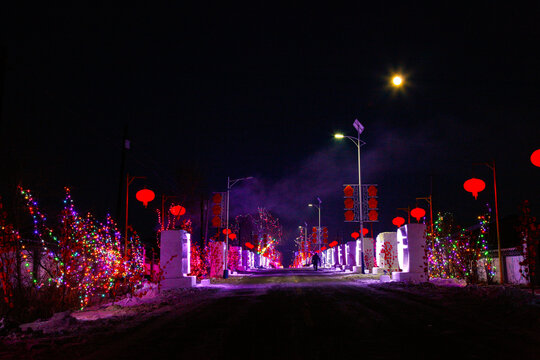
359	128
397	80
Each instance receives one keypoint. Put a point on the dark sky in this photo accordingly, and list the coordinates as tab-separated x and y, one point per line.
210	91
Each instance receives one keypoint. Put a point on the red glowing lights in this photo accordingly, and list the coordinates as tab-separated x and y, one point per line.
418	213
398	221
373	215
535	158
232	236
355	235
177	210
226	231
332	244
349	215
365	231
249	245
145	196
474	186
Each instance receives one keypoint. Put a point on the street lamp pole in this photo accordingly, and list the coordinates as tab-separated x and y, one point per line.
129	180
428	199
491	165
359	128
230	184
319	228
408	210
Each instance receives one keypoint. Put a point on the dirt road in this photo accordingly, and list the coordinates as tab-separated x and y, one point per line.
307	317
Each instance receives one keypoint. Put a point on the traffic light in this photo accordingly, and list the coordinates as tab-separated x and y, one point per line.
218	210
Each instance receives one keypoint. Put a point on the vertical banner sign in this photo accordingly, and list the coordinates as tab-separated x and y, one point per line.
370	203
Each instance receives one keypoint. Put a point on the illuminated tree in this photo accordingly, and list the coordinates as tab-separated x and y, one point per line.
529	233
454	252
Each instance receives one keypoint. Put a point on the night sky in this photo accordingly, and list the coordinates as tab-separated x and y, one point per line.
211	91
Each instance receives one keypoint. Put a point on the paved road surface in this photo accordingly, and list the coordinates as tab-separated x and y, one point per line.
300	315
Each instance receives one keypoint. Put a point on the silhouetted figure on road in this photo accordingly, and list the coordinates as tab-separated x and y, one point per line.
315	260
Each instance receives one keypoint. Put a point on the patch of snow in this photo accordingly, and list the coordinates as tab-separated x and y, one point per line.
448	282
56	323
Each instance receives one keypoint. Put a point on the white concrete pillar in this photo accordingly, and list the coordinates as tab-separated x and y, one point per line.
410	246
175	259
369	255
386	252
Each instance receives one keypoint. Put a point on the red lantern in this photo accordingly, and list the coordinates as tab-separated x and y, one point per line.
372	203
349	203
216	198
474	186
372	190
349	215
145	196
332	244
177	210
348	191
323	248
373	215
232	236
216	221
398	221
249	245
535	158
418	213
355	235
216	210
365	231
226	231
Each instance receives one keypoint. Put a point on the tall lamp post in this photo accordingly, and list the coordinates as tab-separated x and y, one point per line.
359	128
319	228
491	165
230	184
408	211
428	199
129	180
